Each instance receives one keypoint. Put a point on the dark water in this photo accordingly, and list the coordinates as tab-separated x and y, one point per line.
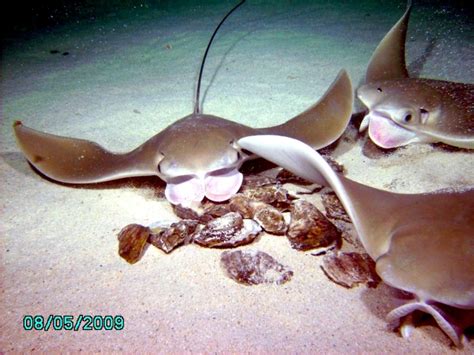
20	17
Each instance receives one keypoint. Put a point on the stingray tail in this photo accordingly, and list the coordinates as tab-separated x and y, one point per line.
197	108
324	122
358	200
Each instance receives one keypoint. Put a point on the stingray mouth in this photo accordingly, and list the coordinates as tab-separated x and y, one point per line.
216	187
384	132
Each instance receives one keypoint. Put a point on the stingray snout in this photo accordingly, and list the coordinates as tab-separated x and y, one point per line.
216	187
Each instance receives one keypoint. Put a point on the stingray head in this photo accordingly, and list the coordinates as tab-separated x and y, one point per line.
202	162
400	111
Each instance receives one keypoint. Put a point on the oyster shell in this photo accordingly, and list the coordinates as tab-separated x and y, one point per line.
267	216
243	205
252	267
337	167
177	234
274	195
252	181
350	269
228	231
333	206
270	218
309	228
132	242
285	176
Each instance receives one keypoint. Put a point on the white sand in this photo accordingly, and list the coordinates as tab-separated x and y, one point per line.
120	85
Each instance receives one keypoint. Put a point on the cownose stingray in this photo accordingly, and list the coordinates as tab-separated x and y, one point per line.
196	156
405	110
422	243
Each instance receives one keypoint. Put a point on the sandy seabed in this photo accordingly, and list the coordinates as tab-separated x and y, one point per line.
129	75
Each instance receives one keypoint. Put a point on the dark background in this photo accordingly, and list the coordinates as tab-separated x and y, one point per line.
20	17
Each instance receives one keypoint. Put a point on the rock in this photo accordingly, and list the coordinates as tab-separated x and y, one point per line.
350	269
132	242
309	228
254	268
228	231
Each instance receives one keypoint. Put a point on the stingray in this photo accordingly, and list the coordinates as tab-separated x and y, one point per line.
405	110
422	243
197	156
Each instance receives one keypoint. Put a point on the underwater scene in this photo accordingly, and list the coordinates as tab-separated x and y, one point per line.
224	176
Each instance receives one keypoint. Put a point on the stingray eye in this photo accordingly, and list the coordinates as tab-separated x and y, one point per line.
407	118
379	89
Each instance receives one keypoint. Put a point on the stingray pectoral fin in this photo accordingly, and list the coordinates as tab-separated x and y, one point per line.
81	161
222	187
388	60
324	122
387	134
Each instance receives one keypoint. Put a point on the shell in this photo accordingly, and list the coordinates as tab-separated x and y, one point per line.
350	269
270	218
337	167
243	205
309	228
252	267
333	206
274	195
132	242
285	176
177	234
252	181
228	231
206	212
267	216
